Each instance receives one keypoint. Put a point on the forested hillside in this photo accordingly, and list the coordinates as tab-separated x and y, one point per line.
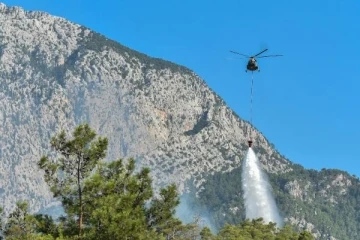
325	202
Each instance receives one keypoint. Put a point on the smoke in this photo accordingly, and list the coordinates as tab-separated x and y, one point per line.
258	198
187	214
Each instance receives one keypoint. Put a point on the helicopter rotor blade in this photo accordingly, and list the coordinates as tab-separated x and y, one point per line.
240	54
260	52
238	58
277	55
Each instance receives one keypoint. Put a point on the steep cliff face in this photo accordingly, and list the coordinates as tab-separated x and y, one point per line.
55	74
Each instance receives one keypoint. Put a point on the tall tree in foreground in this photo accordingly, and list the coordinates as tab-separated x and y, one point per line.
117	198
66	174
113	201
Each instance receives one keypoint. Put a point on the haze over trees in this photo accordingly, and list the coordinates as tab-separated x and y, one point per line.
112	200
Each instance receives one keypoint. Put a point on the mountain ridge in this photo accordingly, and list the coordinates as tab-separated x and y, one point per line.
62	59
55	74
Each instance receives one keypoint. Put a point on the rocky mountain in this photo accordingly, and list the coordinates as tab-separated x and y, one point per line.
324	202
55	74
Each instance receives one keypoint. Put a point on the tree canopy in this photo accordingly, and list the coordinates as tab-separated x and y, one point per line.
114	200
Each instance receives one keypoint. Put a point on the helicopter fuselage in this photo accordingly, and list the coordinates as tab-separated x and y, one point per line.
252	65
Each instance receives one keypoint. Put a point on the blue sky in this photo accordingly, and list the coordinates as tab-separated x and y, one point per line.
306	102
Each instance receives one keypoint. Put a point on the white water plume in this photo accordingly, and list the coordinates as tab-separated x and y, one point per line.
258	198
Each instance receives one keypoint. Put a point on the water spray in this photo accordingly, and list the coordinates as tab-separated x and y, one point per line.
258	198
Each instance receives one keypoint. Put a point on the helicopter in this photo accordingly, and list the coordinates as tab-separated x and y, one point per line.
252	63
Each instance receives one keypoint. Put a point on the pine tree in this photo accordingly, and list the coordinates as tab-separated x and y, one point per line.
66	174
206	234
117	207
287	233
20	224
306	236
46	225
161	213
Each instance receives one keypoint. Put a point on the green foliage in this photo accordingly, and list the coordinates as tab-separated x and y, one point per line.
117	207
339	218
288	233
222	192
305	236
1	220
113	201
20	224
257	229
206	234
46	225
162	209
105	200
114	225
66	175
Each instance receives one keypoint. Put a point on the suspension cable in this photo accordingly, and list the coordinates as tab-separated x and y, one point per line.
251	103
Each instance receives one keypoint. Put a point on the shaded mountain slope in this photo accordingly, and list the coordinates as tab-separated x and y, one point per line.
324	202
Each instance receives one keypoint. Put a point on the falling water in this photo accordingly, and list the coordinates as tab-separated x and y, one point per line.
258	199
